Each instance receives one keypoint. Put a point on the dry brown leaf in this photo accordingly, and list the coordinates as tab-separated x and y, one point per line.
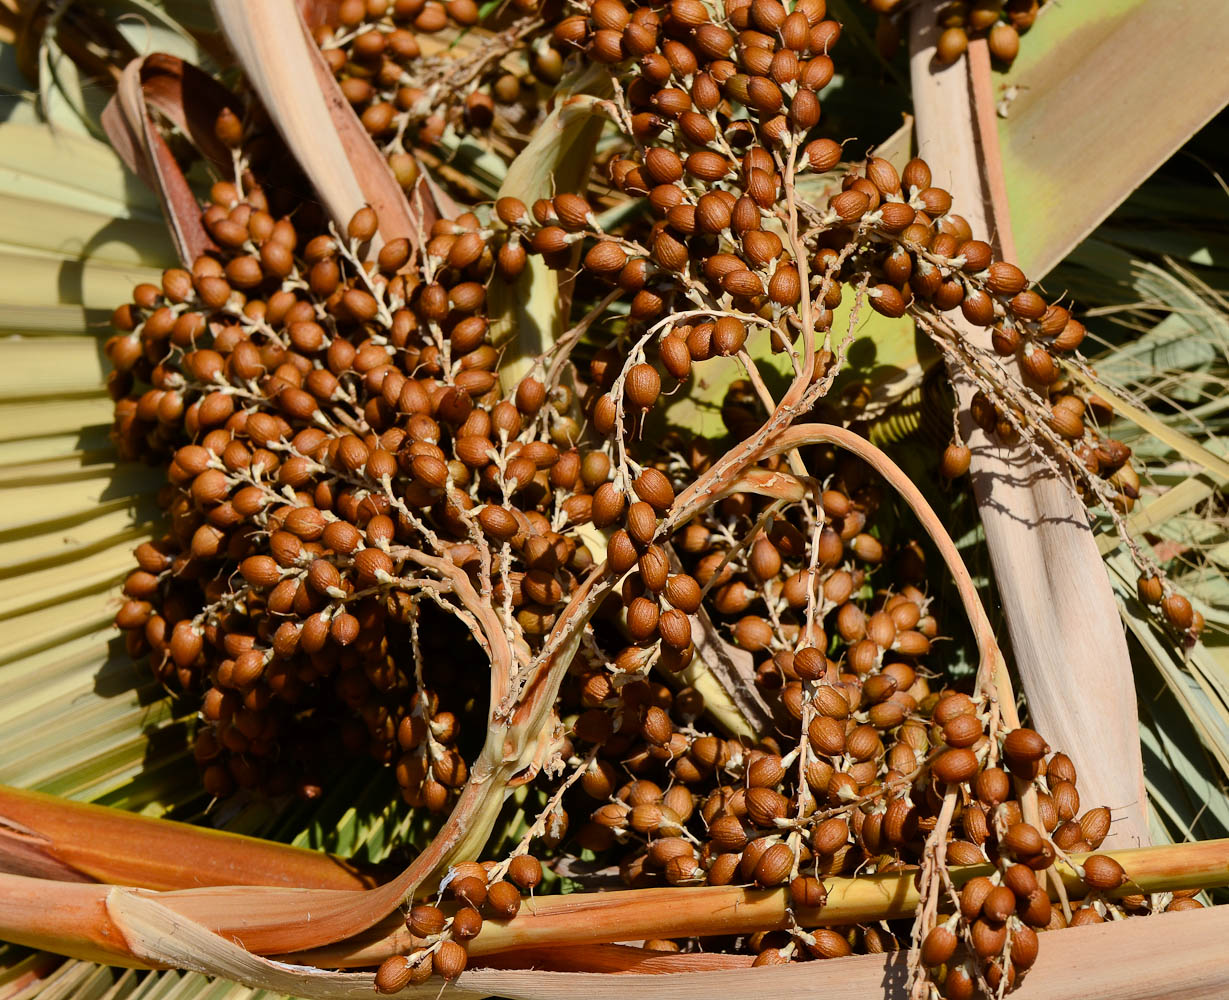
1066	635
191	99
284	66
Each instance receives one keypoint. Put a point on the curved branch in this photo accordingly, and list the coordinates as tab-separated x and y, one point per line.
992	670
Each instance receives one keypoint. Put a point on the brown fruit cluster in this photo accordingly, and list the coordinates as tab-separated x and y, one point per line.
717	183
1000	22
325	422
413	68
719	116
439	938
363	501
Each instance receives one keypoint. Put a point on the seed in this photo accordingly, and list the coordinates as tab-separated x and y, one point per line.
1006	279
663	165
669	252
712	213
830	836
988	939
675	356
469	889
742	282
955	766
809	663
1036	910
729	336
394	974
827	736
498	522
525	871
1024	947
999	904
823	154
951	45
828	944
727	833
450	960
654	568
654	488
1151	589
807	892
764	95
424	921
683	592
1024	747
641	522
1178	611
1022	840
1070	337
466	923
976	827
1085	916
896	217
850	205
608	504
973	895
363	224
939	946
962	731
510	210
642	618
774	865
503	900
1004	42
1020	880
707	166
863	743
765	806
886	299
978	308
916	175
675	628
713	41
643	385
1102	872
992	786
1066	798
605	258
261	572
830	702
785	286
753	633
883	175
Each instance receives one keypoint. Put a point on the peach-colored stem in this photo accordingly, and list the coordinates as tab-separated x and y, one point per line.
118	847
635	914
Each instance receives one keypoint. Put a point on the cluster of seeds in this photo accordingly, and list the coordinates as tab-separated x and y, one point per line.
1000	22
318	414
719	114
364	503
438	938
409	71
